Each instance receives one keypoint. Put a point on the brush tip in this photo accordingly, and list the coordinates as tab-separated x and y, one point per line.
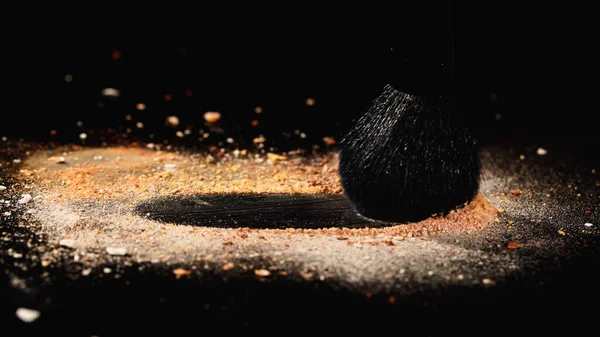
408	158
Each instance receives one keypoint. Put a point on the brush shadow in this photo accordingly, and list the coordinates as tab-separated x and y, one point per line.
255	210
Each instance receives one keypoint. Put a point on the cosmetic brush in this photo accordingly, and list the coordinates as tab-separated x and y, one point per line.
411	155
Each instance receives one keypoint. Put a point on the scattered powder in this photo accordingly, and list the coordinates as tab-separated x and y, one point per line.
88	204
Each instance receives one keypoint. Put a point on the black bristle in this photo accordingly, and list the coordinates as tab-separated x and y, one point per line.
409	157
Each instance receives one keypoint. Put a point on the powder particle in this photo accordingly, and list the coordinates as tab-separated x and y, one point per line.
25	198
516	192
67	243
179	272
27	315
116	251
112	92
212	116
262	273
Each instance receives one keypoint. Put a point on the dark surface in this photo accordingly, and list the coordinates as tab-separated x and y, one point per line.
552	293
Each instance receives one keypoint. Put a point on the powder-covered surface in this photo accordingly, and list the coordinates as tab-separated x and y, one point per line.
86	200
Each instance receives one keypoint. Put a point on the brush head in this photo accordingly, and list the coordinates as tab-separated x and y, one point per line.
409	157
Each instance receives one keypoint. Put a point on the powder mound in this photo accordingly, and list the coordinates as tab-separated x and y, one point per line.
476	215
130	176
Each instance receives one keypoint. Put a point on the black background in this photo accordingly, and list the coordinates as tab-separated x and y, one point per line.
537	59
